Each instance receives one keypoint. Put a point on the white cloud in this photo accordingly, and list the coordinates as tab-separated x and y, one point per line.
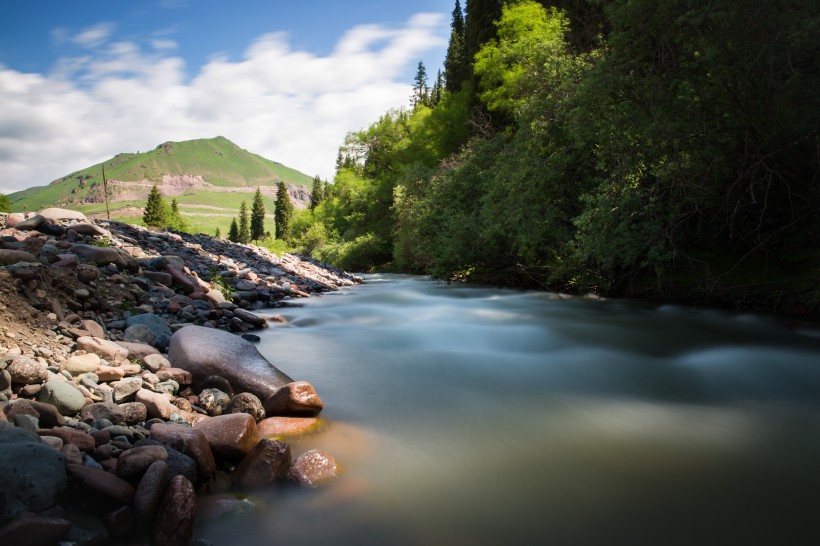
164	44
290	106
94	36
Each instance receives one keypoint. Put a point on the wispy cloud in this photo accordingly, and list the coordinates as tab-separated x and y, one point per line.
288	105
164	44
94	36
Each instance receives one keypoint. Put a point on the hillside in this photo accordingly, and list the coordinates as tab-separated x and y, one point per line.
208	177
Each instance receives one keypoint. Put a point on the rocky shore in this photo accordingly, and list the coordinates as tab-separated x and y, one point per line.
132	398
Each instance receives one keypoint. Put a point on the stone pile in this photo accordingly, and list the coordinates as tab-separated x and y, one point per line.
125	400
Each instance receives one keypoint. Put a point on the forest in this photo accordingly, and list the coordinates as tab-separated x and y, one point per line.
622	147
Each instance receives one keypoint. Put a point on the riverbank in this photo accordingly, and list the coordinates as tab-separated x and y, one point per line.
126	391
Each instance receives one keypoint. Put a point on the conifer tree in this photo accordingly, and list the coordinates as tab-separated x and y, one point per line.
283	213
455	63
156	211
317	193
244	225
233	232
257	216
435	94
420	92
217	234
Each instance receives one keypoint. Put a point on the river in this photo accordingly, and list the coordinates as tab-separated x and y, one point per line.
476	416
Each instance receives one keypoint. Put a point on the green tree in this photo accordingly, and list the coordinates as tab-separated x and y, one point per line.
421	95
156	211
455	62
5	203
284	212
317	193
257	216
438	89
217	233
244	224
233	232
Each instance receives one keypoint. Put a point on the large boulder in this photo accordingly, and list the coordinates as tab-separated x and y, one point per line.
205	352
54	214
157	326
98	255
9	257
62	395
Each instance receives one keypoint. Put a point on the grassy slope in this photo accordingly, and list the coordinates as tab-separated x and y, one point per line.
218	160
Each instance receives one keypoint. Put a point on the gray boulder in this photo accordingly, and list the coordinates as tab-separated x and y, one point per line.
54	214
205	352
62	395
158	327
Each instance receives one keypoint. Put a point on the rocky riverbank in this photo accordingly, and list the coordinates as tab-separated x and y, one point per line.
132	398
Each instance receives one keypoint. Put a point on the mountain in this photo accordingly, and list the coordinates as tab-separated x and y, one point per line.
208	177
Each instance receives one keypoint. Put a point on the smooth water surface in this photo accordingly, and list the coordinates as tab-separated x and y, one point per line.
467	416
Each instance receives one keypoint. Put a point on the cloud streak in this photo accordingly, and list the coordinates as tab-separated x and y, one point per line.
288	105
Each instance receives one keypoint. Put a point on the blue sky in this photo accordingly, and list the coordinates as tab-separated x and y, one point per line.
83	80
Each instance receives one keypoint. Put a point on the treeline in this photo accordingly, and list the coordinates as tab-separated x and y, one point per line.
621	146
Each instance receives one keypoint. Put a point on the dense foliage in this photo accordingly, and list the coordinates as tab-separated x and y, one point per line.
257	216
622	146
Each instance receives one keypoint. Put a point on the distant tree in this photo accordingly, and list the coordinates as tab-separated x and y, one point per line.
317	194
218	233
244	224
420	91
233	232
156	211
438	86
257	216
283	213
174	206
5	204
455	63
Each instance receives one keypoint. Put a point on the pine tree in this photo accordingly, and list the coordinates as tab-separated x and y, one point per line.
156	211
455	63
435	94
479	27
217	234
283	213
257	216
175	219
317	194
233	232
244	225
420	93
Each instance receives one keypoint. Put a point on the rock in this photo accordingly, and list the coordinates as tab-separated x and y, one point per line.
33	474
33	530
148	495
205	352
103	410
140	333
157	326
215	297
79	364
62	395
110	373
72	454
287	426
190	441
213	401
250	318
103	348
297	399
174	521
71	436
186	283
10	257
86	529
54	214
30	224
313	468
230	436
106	255
84	228
102	482
47	414
138	351
27	422
86	273
87	328
119	521
156	404
160	277
268	461
27	371
246	403
133	462
126	389
134	412
183	377
155	362
218	382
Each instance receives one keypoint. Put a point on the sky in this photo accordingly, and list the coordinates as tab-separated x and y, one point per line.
81	81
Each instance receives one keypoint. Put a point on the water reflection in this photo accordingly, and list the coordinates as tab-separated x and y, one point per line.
483	416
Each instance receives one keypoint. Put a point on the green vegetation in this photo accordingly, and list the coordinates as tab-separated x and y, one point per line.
626	147
244	225
283	213
5	204
156	212
257	217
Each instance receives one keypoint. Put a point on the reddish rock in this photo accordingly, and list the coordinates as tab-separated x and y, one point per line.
102	482
72	454
134	412
27	371
110	373
80	439
32	530
174	521
103	410
135	461
230	436
313	468
269	460
138	350
286	426
149	494
88	328
190	441
155	362
294	399
160	277
186	283
246	403
156	404
103	348
181	376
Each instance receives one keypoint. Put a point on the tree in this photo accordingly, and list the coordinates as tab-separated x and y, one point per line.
218	233
257	216
5	204
233	232
244	225
283	213
156	211
438	86
420	92
455	63
175	219
317	193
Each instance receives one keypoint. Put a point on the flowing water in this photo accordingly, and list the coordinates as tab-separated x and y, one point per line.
472	416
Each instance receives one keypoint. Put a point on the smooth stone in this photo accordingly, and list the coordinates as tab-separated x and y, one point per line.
138	351
55	214
155	362
183	377
33	530
87	328
157	325
135	461
213	401
174	521
106	255
47	414
268	461
62	395
103	410
246	403
148	495
205	352
10	256
102	482
27	371
125	390
189	441
140	333
313	468
250	318
297	399
103	348
80	364
80	439
287	426
134	412
156	404
230	436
